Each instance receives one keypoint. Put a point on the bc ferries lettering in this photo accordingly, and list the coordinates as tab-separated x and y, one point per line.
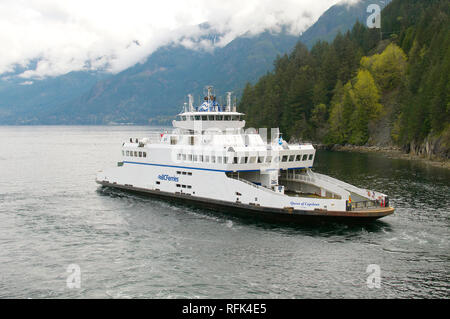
165	177
304	204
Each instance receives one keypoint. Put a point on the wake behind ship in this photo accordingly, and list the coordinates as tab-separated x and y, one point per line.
209	159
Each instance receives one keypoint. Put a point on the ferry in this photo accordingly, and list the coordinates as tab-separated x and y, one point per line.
210	159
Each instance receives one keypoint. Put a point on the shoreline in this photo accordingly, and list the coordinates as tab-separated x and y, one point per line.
388	151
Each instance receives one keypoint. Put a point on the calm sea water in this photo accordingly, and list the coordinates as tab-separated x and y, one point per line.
53	214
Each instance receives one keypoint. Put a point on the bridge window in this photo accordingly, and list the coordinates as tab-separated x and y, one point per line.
200	158
204	117
291	158
298	158
184	157
173	140
206	158
285	158
145	154
183	118
304	157
268	159
189	158
135	154
219	117
252	159
128	153
211	117
310	157
227	118
213	159
179	157
194	158
235	160
140	154
197	117
225	160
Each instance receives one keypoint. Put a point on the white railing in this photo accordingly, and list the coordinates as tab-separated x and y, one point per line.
359	191
311	179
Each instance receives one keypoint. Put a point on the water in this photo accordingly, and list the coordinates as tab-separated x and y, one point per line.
53	214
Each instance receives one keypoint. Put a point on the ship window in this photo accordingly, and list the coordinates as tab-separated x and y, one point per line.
184	157
189	186
158	183
178	172
183	186
128	153
298	158
268	159
243	160
200	158
197	117
227	117
204	117
189	157
213	159
195	158
285	158
135	154
260	159
252	159
291	158
225	160
183	118
276	159
173	140
235	160
178	156
219	117
191	140
189	174
211	117
178	185
304	157
145	154
123	153
140	154
219	159
310	157
206	159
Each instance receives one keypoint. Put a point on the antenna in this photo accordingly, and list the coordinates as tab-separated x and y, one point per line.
229	101
191	103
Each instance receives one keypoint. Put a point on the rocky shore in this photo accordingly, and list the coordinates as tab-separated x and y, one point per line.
389	151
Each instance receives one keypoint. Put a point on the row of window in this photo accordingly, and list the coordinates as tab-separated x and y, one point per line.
184	173
184	186
243	160
210	118
134	153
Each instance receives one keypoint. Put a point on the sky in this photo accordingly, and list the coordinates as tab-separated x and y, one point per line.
44	38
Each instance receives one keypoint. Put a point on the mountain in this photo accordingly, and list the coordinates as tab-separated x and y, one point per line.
24	101
156	89
339	18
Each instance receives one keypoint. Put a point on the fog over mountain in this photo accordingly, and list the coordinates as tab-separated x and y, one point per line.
107	62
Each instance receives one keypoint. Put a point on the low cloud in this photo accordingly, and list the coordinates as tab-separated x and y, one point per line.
50	37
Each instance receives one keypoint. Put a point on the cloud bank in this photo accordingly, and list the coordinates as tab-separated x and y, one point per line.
52	37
